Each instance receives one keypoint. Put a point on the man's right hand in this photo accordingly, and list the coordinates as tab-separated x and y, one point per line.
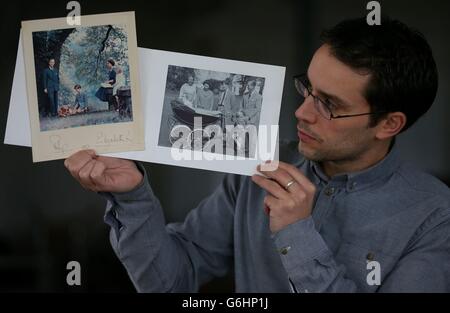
45	90
98	173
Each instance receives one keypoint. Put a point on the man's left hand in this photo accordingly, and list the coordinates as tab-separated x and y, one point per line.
290	195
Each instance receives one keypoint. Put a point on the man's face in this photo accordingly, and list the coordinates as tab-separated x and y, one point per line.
205	86
108	65
339	139
190	80
51	63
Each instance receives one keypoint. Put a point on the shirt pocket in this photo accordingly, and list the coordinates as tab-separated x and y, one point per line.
364	265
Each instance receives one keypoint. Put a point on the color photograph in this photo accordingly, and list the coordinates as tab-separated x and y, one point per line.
82	76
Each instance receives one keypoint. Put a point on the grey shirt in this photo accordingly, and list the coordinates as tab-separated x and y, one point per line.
391	213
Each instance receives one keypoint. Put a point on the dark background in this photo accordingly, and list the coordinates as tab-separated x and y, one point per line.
47	219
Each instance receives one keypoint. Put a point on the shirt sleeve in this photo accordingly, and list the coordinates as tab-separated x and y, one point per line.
308	261
179	257
425	266
311	266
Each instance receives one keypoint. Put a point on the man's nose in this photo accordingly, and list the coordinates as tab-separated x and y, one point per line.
306	111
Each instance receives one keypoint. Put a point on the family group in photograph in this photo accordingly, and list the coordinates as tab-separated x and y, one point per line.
107	92
231	101
239	100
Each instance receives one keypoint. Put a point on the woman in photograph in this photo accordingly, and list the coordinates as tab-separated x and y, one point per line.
104	93
188	92
120	82
205	97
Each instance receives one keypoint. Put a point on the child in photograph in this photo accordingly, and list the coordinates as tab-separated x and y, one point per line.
240	118
79	106
80	100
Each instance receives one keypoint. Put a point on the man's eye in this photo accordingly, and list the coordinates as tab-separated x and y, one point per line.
330	104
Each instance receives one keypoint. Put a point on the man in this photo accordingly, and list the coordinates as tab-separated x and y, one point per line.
50	79
236	98
225	93
346	203
230	99
225	102
252	103
216	100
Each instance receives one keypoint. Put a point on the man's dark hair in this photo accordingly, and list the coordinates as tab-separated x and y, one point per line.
403	72
77	86
111	61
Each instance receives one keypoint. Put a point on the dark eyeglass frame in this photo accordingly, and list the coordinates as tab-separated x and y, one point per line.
302	81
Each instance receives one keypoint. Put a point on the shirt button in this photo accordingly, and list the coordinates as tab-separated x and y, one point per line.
285	250
329	191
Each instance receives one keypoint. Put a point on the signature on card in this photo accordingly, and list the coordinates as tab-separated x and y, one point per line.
104	139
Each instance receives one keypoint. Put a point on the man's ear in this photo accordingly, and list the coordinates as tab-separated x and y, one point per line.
391	125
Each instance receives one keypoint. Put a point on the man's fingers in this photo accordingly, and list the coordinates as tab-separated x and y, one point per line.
270	186
297	175
98	175
78	160
273	204
266	210
85	175
282	177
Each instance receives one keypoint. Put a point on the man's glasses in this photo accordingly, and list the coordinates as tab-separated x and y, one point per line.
324	107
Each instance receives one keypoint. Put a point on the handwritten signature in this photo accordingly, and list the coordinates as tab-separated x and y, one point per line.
58	144
108	139
102	139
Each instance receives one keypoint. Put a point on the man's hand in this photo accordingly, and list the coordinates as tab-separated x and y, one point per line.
290	195
98	173
45	90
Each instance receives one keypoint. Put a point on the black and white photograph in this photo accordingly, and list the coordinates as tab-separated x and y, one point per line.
83	76
208	113
227	101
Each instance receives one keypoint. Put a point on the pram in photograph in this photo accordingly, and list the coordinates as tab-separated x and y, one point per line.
183	115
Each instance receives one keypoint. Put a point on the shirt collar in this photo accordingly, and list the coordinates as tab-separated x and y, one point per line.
358	180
